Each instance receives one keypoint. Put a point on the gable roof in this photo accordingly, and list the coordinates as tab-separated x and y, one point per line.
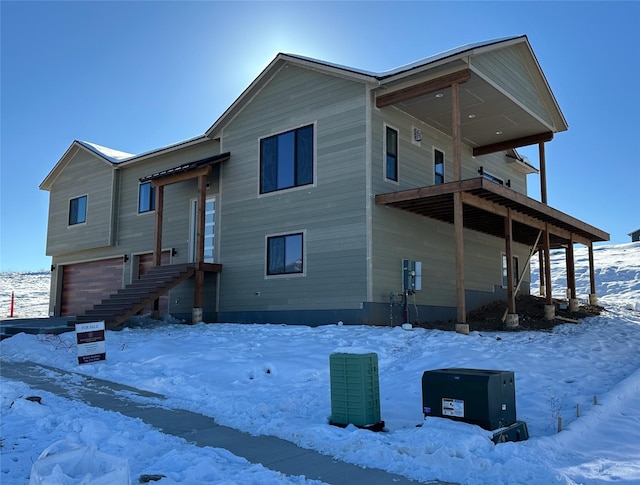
384	80
106	155
393	77
116	158
109	154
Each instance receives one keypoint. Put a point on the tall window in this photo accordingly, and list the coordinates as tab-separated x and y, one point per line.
438	167
516	270
284	254
78	210
209	229
392	154
146	197
286	160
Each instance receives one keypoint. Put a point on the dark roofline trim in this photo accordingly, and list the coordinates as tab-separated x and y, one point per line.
187	167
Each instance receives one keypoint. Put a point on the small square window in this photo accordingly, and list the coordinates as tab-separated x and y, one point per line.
391	167
146	197
284	254
78	210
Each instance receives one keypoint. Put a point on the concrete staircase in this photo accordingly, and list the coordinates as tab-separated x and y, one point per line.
135	297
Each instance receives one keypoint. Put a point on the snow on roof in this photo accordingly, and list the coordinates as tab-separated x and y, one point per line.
114	156
444	55
412	65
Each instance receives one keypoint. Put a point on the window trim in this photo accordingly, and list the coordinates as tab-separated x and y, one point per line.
385	154
444	165
152	198
303	273
314	156
86	211
516	270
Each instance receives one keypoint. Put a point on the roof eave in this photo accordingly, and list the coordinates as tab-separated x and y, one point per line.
268	72
59	166
163	150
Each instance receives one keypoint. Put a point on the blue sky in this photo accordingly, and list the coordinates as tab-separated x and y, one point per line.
135	76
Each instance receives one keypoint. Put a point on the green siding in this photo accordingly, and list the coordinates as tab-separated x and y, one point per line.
331	212
507	69
85	174
398	235
401	235
136	230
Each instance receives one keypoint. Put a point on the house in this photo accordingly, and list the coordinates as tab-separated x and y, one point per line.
635	235
324	194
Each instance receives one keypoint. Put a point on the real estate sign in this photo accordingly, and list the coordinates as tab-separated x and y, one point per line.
91	344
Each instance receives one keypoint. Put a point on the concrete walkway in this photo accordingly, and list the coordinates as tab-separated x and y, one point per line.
273	453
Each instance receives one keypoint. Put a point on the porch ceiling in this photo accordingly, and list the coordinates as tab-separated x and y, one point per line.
488	116
486	204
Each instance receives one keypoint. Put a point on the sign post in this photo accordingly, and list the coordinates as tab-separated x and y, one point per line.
91	344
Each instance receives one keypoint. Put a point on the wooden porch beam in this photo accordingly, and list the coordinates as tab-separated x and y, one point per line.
181	176
501	210
515	143
422	88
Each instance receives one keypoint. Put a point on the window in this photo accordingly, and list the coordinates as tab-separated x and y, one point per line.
78	210
489	176
392	154
146	197
286	160
209	229
516	270
438	167
284	254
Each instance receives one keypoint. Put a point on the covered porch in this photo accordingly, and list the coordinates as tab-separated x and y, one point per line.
200	170
499	211
488	98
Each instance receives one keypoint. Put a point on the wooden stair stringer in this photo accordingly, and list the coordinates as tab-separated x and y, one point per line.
161	283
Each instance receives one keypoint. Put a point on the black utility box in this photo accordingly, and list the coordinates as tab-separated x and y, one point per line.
483	397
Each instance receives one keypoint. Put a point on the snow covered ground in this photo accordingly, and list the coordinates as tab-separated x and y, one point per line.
274	379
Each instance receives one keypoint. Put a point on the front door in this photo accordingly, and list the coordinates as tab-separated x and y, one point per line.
209	230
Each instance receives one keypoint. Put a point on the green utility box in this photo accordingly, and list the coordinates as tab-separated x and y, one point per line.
355	389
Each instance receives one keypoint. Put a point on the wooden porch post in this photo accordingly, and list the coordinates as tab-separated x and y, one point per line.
157	244
549	308
512	317
571	276
458	220
198	298
544	251
541	269
543	173
593	297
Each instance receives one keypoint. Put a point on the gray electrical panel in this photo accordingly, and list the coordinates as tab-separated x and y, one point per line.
411	275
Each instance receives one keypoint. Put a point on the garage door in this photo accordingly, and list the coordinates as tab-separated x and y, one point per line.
86	284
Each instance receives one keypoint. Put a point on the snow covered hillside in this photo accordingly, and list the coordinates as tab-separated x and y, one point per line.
274	379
